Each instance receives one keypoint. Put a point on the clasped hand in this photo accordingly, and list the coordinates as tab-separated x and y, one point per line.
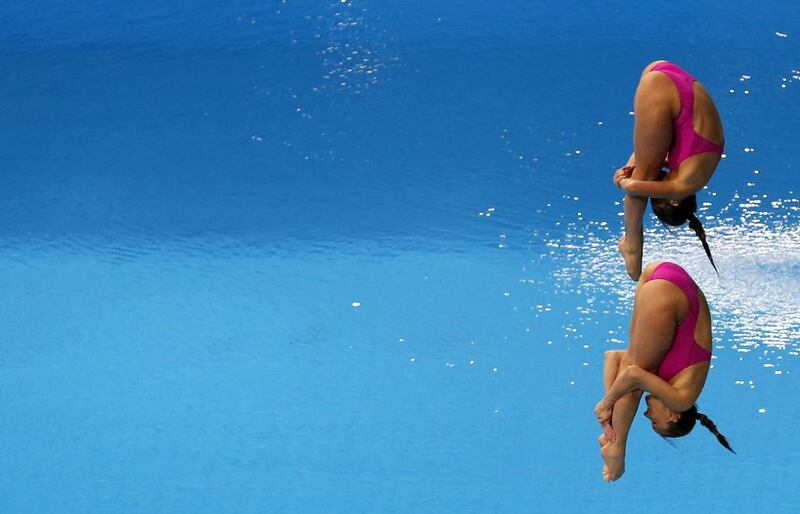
603	412
623	173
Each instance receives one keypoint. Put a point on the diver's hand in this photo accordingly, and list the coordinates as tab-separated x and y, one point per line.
603	412
623	173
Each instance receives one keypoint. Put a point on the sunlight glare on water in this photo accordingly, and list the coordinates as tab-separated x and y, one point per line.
755	301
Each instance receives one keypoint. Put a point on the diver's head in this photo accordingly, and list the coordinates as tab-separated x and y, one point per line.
668	423
677	212
674	212
664	420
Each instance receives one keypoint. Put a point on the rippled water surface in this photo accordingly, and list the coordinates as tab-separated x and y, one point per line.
360	256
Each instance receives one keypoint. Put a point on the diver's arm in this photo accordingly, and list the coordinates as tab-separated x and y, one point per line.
676	399
624	383
669	189
632	161
634	378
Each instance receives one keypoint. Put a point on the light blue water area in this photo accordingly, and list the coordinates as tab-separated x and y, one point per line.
361	256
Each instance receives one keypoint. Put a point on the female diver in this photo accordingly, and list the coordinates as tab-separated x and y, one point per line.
668	356
678	125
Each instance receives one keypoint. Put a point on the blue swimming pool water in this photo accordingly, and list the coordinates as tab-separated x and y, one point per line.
360	256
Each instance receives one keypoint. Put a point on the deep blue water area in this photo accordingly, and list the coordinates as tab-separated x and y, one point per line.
360	256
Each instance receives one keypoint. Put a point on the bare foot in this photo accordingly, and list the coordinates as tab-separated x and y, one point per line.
614	458
632	255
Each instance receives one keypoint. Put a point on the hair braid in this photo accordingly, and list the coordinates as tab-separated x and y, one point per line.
695	225
706	422
677	214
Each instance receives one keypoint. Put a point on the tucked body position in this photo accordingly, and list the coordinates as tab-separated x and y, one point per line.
668	357
678	126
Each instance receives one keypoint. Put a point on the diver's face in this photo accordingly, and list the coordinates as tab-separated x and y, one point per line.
659	414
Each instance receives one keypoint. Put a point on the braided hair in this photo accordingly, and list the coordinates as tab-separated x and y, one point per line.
706	422
686	422
677	215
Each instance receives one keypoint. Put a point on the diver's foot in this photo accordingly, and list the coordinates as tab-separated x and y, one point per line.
632	255
614	459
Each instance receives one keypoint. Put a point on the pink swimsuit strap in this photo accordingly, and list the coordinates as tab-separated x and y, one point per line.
685	141
685	351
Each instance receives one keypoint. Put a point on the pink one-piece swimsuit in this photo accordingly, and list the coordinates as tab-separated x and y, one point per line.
684	351
685	141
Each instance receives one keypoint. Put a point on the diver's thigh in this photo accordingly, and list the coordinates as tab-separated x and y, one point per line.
653	326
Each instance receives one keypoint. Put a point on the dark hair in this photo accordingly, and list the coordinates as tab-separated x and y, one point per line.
686	422
677	215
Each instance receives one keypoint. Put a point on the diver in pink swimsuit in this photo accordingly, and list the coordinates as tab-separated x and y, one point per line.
668	356
685	350
678	125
